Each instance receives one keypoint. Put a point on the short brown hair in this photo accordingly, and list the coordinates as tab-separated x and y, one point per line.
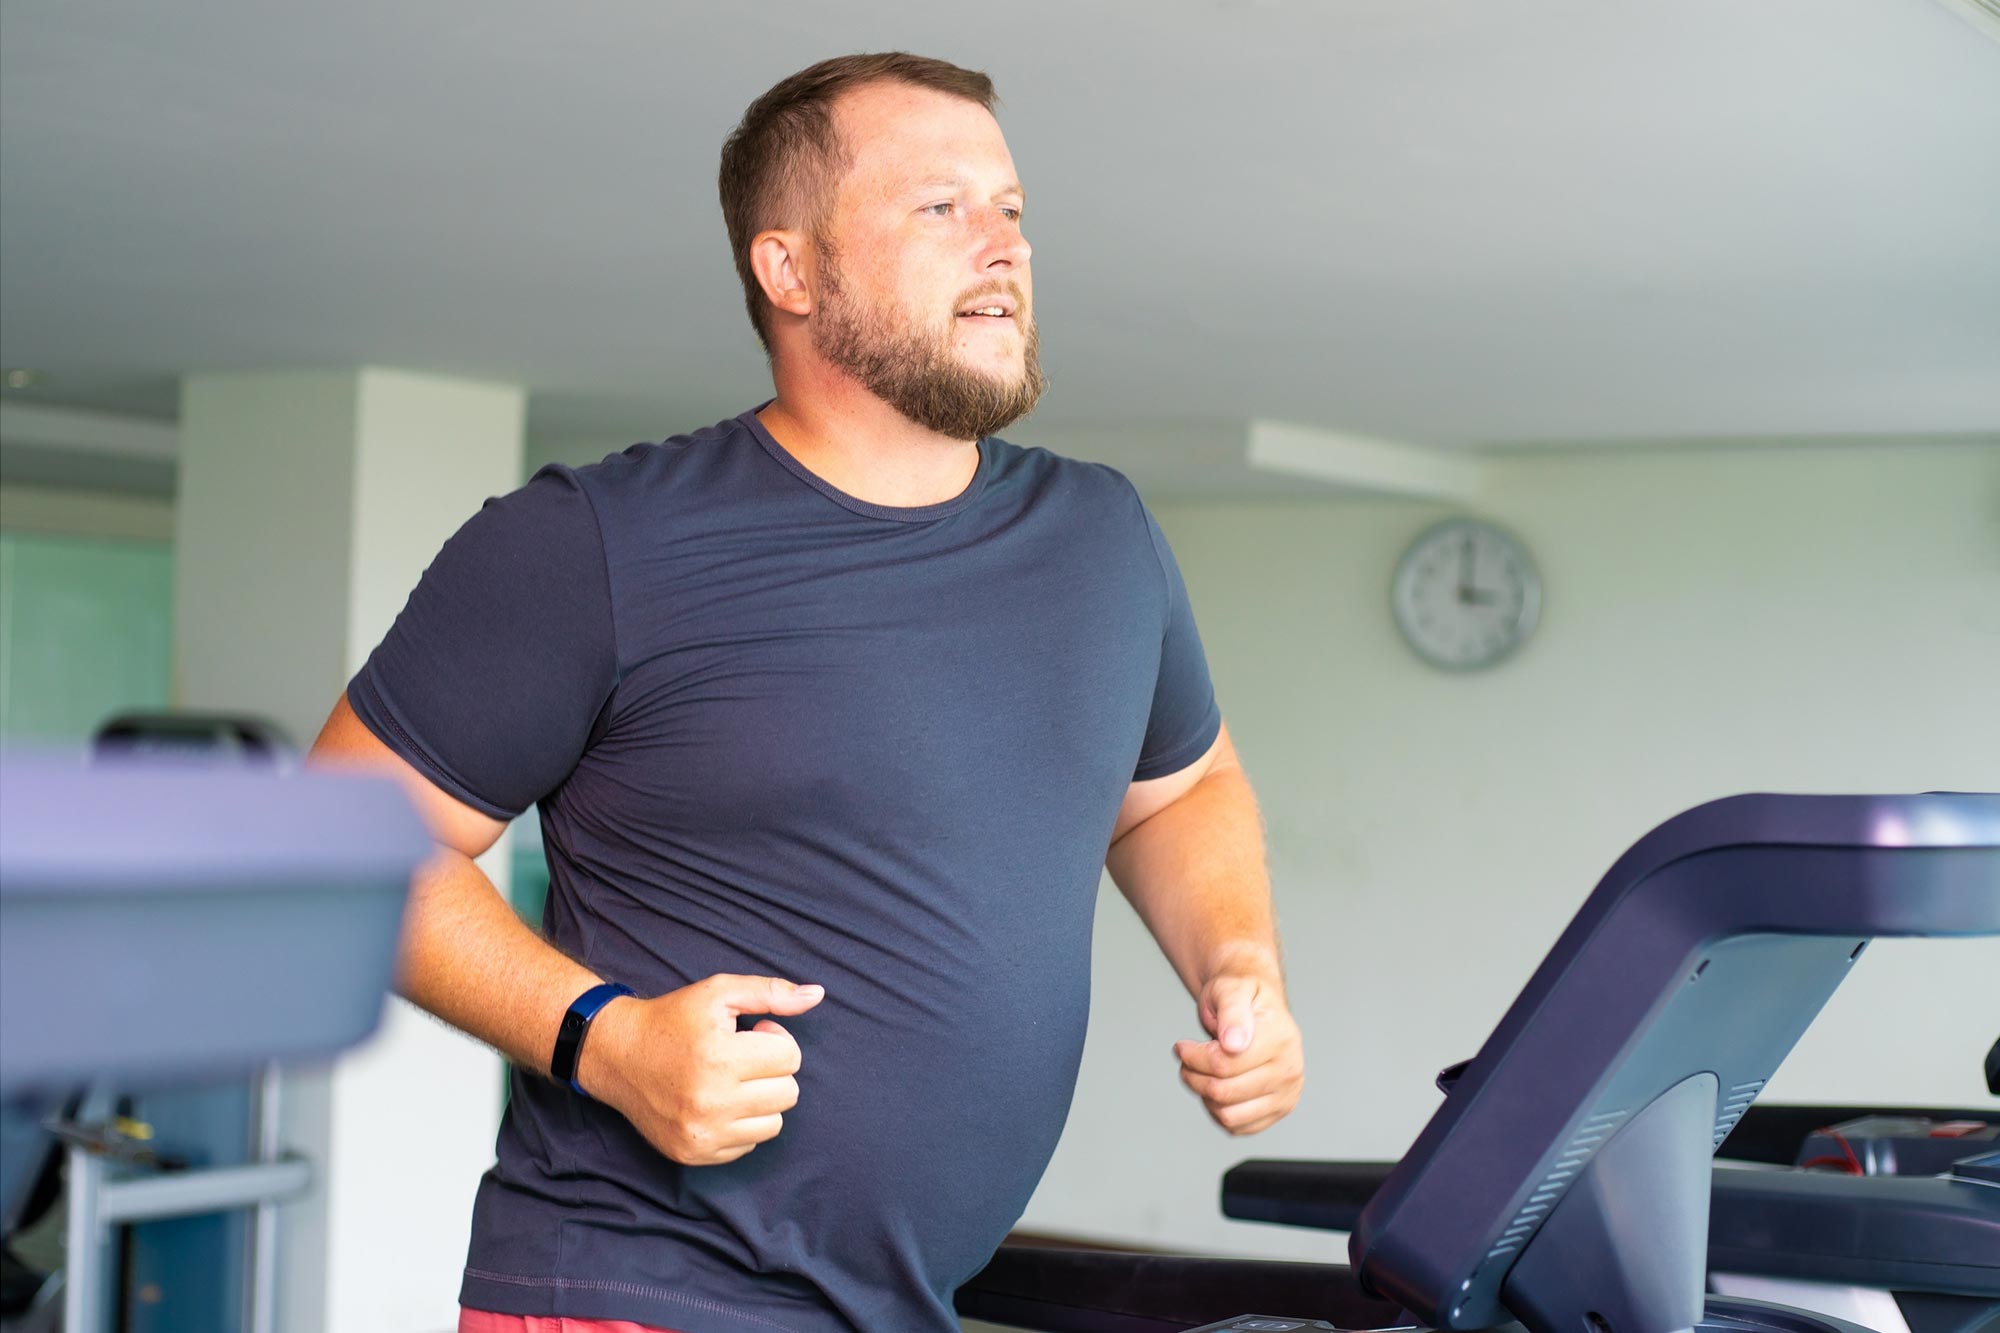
781	164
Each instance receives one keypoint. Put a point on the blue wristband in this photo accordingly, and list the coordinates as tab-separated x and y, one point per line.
575	1025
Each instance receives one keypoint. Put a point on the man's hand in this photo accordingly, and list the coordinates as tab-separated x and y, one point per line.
700	1091
1250	1074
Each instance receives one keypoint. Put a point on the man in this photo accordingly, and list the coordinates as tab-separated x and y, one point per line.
832	712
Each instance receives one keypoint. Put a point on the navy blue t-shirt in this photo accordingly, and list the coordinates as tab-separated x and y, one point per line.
774	729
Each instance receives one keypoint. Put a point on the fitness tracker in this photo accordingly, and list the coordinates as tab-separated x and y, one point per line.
576	1023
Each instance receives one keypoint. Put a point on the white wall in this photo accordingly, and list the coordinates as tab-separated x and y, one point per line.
1783	619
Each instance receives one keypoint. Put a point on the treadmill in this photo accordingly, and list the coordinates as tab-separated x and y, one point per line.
167	922
1564	1186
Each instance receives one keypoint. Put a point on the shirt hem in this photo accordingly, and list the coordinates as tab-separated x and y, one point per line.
375	714
589	1298
1178	758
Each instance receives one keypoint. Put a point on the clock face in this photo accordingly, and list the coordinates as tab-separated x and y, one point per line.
1466	594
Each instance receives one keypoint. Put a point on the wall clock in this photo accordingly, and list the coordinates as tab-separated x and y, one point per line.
1465	594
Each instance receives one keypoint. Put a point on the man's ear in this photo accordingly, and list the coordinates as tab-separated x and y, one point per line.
782	261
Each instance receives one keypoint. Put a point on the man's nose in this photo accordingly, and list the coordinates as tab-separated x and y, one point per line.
1005	246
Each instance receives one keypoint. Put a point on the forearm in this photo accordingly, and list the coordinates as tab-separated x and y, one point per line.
1195	873
467	958
675	1065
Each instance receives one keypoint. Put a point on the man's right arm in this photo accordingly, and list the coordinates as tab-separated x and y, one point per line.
675	1065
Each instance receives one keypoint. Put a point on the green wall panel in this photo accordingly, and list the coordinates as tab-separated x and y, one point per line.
86	630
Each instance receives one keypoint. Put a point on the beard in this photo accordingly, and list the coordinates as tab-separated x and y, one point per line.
910	366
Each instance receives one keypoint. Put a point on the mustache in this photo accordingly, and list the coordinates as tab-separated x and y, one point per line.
1011	290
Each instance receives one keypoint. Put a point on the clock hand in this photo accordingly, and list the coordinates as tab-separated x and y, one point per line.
1465	571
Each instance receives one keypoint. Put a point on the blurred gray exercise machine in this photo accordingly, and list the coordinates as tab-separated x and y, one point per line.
169	918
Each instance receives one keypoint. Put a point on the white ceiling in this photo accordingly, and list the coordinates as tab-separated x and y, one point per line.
1438	221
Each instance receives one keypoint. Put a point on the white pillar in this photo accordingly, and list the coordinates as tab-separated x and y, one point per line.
309	504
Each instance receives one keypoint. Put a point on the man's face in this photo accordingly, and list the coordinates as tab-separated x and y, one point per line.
924	235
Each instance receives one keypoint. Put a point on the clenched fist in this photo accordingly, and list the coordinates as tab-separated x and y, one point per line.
700	1091
1250	1073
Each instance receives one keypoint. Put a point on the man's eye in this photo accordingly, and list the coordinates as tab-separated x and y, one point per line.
1011	214
937	210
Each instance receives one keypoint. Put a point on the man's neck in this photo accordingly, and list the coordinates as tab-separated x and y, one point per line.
858	444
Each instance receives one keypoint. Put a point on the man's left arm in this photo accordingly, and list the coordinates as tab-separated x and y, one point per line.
1188	853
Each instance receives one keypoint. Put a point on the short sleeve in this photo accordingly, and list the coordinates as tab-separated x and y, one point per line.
1185	719
493	676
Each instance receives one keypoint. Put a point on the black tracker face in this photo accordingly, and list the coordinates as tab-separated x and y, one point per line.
1587	1121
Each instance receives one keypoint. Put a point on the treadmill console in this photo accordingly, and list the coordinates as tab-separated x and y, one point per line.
1564	1183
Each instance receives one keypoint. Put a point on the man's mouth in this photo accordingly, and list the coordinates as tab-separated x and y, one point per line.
988	307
